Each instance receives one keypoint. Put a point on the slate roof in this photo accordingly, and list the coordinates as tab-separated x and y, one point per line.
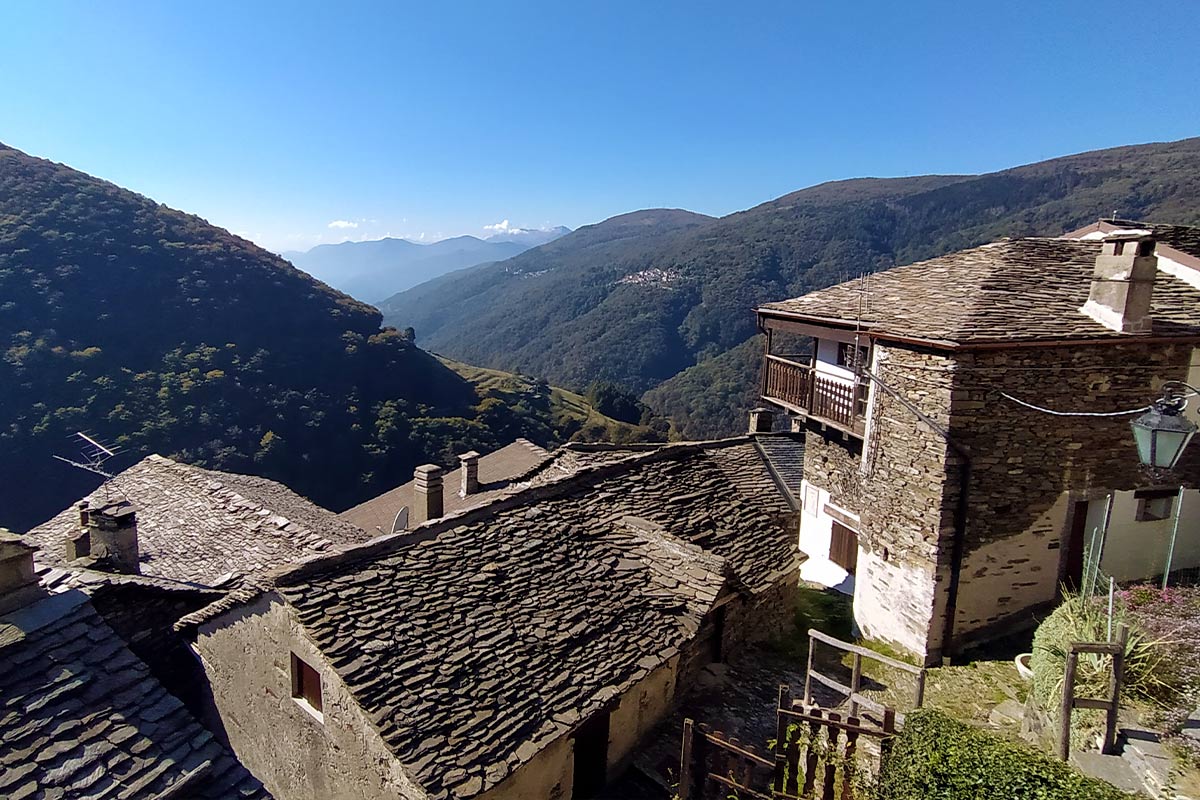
208	527
475	640
1184	238
1018	290
81	716
496	471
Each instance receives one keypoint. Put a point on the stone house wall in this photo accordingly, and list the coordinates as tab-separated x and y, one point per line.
896	483
246	654
1027	469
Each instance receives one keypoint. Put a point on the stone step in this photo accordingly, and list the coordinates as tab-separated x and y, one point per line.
1114	769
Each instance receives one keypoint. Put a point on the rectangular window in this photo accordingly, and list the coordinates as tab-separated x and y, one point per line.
306	684
1154	504
851	357
843	547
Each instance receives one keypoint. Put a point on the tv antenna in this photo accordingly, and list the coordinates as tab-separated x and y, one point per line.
94	457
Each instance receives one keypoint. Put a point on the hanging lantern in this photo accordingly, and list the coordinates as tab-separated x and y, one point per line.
1163	433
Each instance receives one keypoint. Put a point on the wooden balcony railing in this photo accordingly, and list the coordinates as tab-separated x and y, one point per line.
799	387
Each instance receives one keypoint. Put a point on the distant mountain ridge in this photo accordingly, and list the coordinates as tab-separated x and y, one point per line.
655	299
374	269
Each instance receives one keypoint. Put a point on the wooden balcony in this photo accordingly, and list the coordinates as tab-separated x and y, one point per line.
799	388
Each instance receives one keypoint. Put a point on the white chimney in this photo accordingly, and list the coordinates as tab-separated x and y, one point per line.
427	494
469	468
1123	282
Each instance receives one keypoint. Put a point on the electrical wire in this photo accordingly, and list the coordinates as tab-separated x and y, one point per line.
1020	402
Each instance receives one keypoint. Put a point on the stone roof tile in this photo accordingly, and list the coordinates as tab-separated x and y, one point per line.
206	527
81	716
1018	290
524	617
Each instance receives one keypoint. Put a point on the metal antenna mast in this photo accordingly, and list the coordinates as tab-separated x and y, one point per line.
94	455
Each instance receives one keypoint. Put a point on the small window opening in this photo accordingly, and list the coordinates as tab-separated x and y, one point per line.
851	357
1118	248
1154	504
306	684
843	548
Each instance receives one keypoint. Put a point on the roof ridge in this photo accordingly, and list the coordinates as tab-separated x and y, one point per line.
389	543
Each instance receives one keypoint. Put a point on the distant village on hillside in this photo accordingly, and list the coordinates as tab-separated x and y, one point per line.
959	537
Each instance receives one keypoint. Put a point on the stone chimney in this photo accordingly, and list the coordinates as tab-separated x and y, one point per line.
1123	282
427	494
762	420
469	467
112	535
18	583
80	545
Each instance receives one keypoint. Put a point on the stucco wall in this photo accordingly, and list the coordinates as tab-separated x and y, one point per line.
247	657
816	534
639	711
1137	550
548	775
551	772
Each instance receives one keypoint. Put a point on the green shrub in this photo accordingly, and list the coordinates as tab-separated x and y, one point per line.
936	757
1080	619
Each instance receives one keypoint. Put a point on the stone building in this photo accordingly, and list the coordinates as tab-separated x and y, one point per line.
515	649
947	506
170	520
81	716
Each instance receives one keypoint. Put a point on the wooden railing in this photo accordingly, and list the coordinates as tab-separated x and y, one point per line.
853	690
807	391
815	755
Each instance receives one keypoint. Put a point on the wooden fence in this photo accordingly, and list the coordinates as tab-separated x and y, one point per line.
815	756
853	691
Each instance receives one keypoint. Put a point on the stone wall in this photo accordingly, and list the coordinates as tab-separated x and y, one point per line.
1028	467
1027	470
246	655
899	491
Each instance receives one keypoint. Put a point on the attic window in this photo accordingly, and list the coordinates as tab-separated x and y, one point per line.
306	686
1154	504
1118	248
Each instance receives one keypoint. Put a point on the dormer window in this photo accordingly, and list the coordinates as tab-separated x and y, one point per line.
1118	248
306	687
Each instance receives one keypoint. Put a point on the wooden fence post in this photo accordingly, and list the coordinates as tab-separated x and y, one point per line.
920	698
1114	688
855	681
685	761
808	672
1068	704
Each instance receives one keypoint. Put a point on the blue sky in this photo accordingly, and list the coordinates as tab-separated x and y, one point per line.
277	119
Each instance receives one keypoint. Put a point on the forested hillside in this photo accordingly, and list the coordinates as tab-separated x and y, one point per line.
662	299
158	332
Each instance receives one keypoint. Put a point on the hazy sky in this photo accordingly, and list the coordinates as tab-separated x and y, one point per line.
278	121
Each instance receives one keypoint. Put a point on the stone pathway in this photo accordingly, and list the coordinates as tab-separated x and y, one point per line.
1141	764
